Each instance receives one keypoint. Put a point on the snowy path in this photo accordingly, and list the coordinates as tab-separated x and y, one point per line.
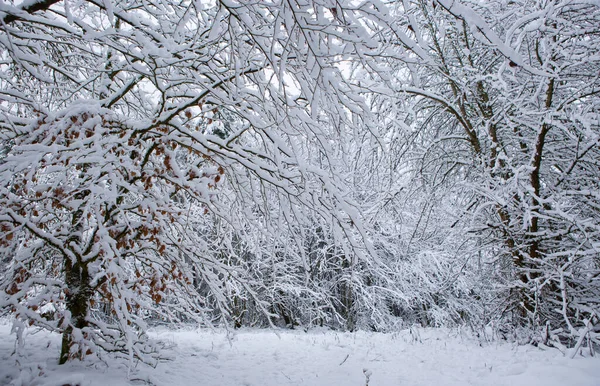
261	358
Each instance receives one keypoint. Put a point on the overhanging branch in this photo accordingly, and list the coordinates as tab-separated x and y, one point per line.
30	8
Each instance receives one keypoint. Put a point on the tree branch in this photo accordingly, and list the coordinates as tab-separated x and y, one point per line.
40	5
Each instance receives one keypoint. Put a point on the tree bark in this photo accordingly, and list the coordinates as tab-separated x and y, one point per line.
77	280
78	289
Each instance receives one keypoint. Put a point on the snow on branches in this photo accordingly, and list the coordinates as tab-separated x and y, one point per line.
127	125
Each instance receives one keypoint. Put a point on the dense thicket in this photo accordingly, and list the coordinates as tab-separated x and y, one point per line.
501	103
299	163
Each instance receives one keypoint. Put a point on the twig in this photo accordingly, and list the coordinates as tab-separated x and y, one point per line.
347	355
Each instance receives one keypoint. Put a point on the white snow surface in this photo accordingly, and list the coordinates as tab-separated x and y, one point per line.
316	357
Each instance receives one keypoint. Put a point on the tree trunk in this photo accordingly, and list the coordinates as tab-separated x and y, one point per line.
79	292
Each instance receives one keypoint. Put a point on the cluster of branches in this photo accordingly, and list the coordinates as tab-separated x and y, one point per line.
499	106
355	165
120	122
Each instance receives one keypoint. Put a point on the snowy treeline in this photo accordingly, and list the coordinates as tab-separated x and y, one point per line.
351	164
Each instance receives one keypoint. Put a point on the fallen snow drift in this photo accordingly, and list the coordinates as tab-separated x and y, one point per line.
264	358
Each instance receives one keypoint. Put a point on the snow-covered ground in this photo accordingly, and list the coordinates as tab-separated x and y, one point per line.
319	357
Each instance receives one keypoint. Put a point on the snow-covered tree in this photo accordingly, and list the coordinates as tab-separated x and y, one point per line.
498	103
132	127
